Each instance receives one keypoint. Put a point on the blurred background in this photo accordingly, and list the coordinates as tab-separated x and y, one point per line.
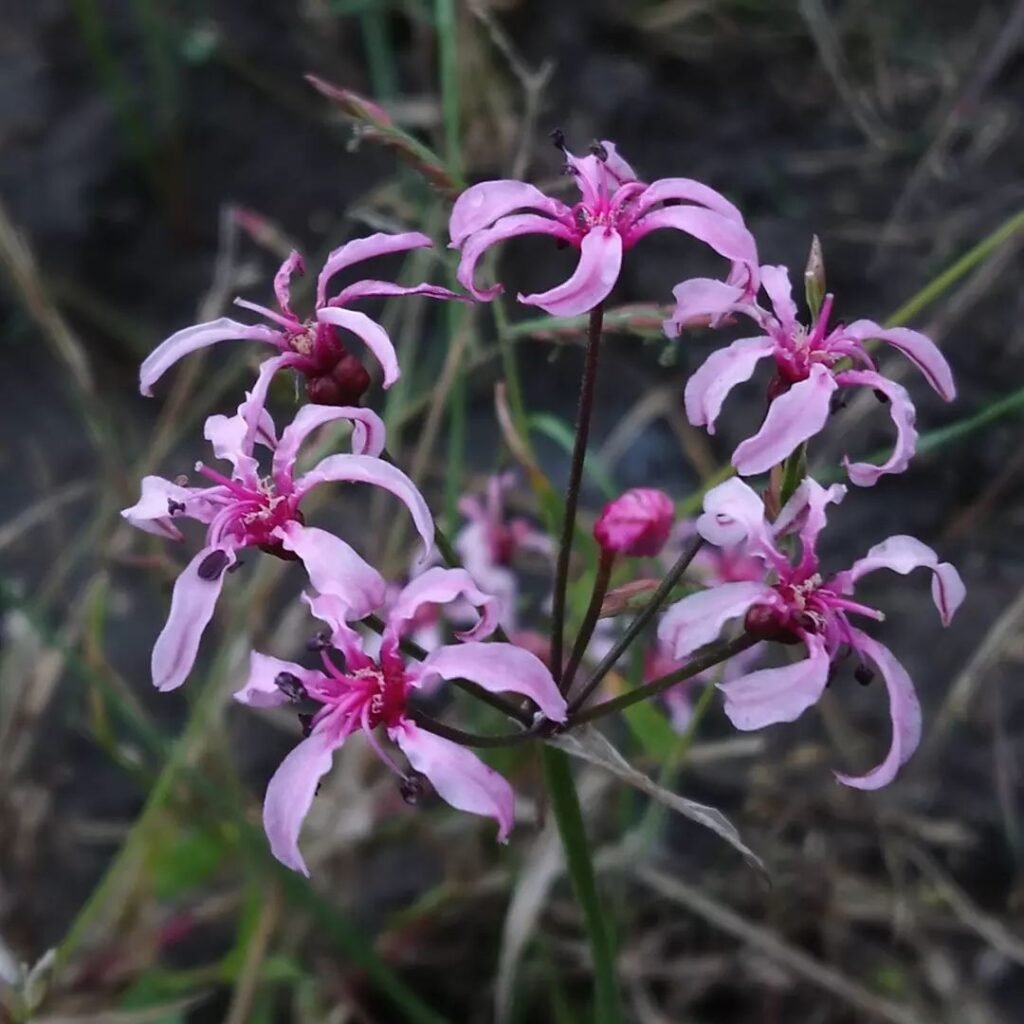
159	157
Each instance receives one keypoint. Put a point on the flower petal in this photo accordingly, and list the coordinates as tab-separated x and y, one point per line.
152	511
481	205
773	695
901	409
904	710
459	776
366	469
293	264
727	237
792	418
498	668
687	190
168	352
698	619
701	302
359	249
508	227
806	511
368	433
372	334
192	602
708	387
442	586
904	554
228	436
291	790
733	513
334	568
387	289
592	280
261	689
780	292
917	347
335	611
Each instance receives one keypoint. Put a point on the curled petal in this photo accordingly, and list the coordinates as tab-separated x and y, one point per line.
866	474
387	290
228	436
442	586
917	347
192	603
168	352
291	790
508	227
792	418
366	469
368	433
336	612
293	264
252	410
707	389
773	695
334	568
702	301
459	776
152	511
733	513
904	554
904	710
592	280
359	249
727	237
498	668
688	191
805	511
698	619
481	205
261	689
776	283
372	334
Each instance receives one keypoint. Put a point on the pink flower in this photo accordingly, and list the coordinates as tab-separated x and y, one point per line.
799	605
637	522
807	376
312	347
251	510
364	692
614	213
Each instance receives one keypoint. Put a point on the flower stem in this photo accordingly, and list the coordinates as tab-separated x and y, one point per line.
565	805
471	739
593	613
634	629
713	655
572	497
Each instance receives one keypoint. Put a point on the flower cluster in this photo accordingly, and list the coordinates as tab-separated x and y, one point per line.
752	555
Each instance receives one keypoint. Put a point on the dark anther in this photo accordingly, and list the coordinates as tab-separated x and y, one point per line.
173	507
863	674
320	642
581	219
413	787
290	685
836	402
599	150
211	567
558	138
881	396
807	622
306	724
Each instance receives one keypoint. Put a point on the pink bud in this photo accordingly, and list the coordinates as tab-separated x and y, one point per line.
636	523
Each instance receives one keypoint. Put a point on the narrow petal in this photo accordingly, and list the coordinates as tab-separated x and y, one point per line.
594	277
261	689
291	790
780	291
727	237
442	586
366	469
372	334
368	434
481	205
708	387
792	418
687	190
773	695
459	776
917	347
360	249
499	668
904	710
904	554
806	511
168	352
901	409
293	264
335	611
228	438
152	511
701	302
334	568
253	410
195	596
698	619
387	290
508	227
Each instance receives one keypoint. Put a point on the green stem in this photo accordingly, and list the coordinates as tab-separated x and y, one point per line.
593	613
565	805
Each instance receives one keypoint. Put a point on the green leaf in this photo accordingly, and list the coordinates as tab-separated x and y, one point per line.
562	434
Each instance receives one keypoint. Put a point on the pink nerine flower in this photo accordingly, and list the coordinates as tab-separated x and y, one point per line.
251	510
637	522
615	211
365	692
312	347
796	604
808	365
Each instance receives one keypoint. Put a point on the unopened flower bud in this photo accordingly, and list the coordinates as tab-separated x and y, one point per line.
814	277
636	523
345	384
